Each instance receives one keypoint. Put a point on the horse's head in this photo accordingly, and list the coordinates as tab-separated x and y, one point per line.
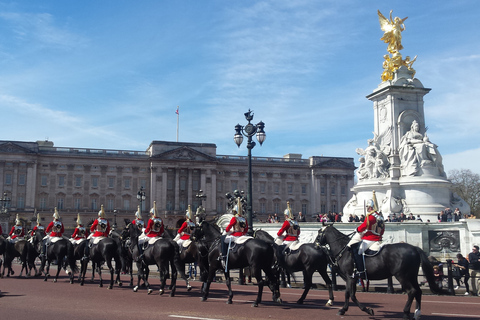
321	239
133	231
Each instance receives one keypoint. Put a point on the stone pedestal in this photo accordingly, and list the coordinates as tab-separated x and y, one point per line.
400	163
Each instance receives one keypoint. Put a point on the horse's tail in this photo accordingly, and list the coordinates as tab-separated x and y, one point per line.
72	263
427	268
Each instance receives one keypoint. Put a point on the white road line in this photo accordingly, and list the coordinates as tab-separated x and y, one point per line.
189	317
456	315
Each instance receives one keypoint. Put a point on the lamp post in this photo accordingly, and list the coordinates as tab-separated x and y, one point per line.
114	219
141	197
249	131
4	214
5	201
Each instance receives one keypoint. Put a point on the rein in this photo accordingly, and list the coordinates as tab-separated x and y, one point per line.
334	258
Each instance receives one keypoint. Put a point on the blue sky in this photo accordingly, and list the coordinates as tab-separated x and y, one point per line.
110	74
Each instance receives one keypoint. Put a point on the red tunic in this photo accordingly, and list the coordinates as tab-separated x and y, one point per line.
370	233
54	233
77	233
1	231
13	235
99	233
237	229
186	228
150	230
290	236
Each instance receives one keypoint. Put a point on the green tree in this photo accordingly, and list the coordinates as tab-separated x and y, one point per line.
467	185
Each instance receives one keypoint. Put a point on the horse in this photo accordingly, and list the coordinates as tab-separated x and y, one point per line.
103	252
308	258
162	254
59	251
401	260
189	254
255	253
18	249
3	248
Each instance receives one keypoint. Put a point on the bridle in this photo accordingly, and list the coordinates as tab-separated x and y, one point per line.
334	258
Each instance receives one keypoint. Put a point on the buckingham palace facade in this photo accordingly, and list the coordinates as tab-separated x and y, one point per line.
38	176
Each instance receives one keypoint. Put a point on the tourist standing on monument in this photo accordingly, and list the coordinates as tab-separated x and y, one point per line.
474	266
301	217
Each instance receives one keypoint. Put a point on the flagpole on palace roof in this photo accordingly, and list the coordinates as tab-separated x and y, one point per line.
178	116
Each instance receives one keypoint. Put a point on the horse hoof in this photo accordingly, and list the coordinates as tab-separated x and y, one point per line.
161	291
341	312
255	305
370	311
100	285
120	284
172	294
279	300
81	284
229	302
149	291
135	289
45	279
203	299
189	287
329	303
300	301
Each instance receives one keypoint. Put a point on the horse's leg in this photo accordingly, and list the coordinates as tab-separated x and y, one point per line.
413	291
94	265
228	282
47	270
131	272
59	267
258	276
307	282
112	272
163	277
351	286
99	271
206	285
328	282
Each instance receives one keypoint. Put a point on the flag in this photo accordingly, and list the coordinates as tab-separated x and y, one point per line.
176	111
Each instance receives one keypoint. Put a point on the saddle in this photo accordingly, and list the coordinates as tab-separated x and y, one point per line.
96	240
374	249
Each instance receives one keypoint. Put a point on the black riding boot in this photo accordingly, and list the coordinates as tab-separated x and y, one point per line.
223	255
86	253
359	265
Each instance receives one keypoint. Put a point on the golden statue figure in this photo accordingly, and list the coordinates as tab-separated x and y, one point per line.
392	32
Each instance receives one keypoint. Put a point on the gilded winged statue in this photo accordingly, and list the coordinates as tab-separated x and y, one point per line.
392	32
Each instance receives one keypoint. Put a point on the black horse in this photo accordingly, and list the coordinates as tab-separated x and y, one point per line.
308	259
3	248
19	250
254	253
400	260
62	252
162	254
103	252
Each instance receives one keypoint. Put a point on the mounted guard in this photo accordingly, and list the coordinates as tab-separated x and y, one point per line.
38	227
238	227
186	230
290	227
100	230
155	227
138	221
54	231
80	233
18	232
370	232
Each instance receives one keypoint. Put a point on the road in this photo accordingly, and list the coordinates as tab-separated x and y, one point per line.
23	298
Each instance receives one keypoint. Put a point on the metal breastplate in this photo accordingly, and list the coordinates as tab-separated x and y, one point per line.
294	228
40	228
157	224
57	226
240	225
189	228
81	231
140	224
18	230
379	226
102	225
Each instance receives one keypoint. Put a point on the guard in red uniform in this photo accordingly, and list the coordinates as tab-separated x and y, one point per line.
54	229
237	227
155	226
38	227
18	232
138	221
186	229
370	231
290	227
80	233
100	228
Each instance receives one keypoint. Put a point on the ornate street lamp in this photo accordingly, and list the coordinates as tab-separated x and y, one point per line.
141	196
249	131
5	201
